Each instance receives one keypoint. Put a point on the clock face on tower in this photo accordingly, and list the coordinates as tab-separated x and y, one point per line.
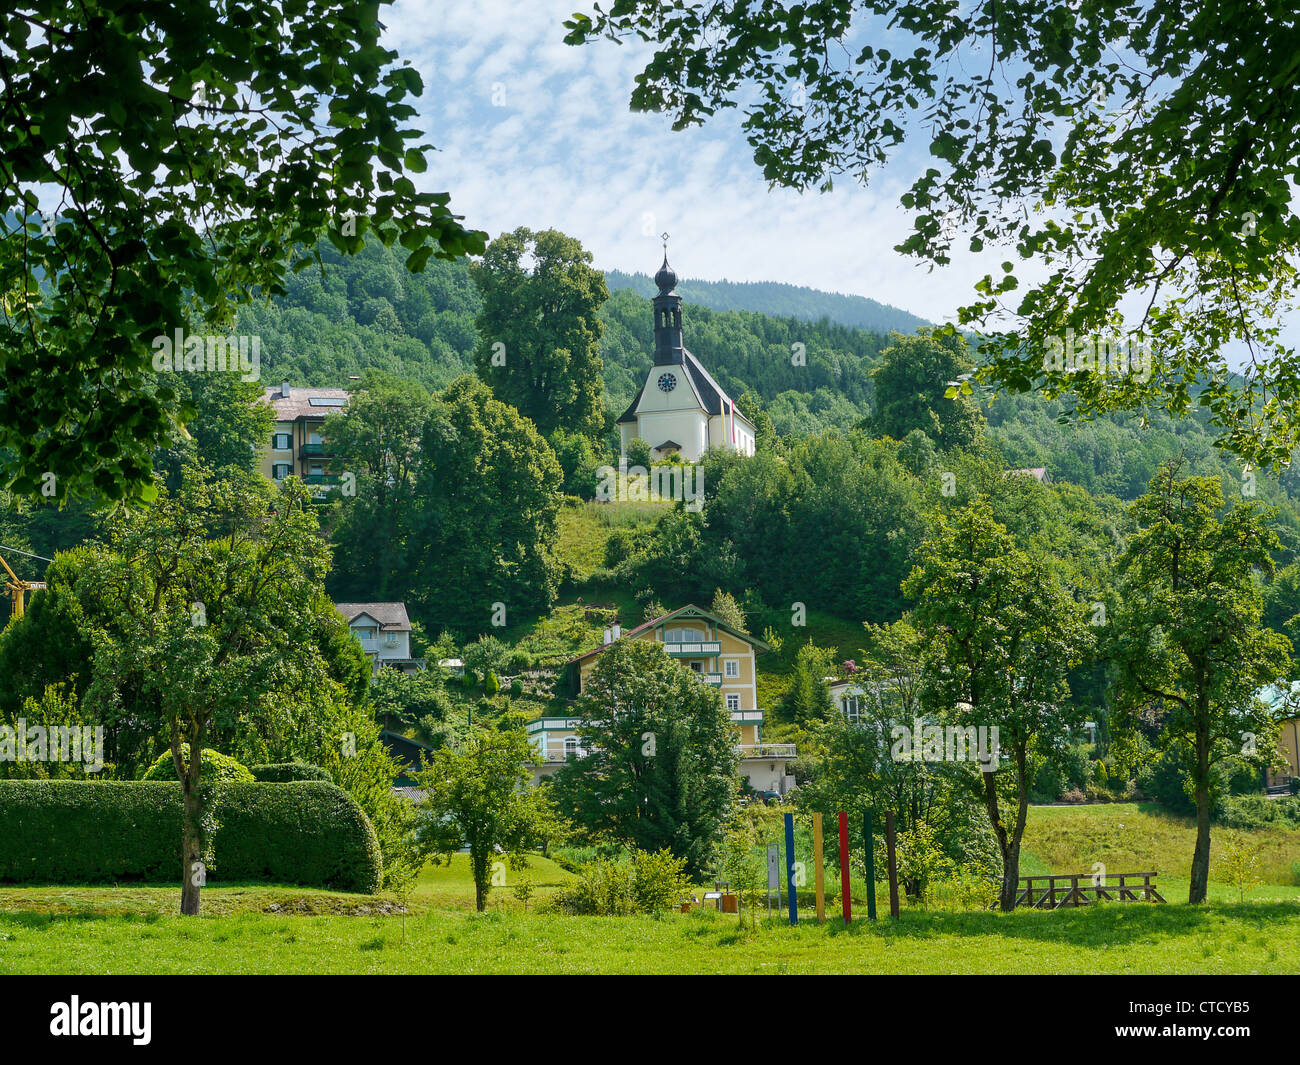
667	382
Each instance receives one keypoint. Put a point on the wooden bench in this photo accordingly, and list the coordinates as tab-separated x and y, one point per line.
1051	892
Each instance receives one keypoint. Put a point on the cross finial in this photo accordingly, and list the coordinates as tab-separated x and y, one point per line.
664	238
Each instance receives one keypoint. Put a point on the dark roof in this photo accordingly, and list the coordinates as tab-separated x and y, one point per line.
695	611
706	389
391	616
667	444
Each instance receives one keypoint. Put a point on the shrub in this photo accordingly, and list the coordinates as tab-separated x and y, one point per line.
1257	811
306	832
642	882
516	688
217	768
287	772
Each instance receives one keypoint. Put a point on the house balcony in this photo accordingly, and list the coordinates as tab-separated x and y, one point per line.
321	478
712	678
312	451
766	750
704	649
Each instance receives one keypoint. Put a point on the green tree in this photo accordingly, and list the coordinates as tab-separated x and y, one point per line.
378	439
211	598
1187	636
911	384
1002	635
488	520
1067	161
184	179
661	766
808	699
539	334
478	796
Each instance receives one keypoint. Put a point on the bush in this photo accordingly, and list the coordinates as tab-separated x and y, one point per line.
287	772
642	882
217	768
516	688
65	831
1257	811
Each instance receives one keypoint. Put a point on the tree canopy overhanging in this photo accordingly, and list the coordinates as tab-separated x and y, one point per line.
161	164
1140	152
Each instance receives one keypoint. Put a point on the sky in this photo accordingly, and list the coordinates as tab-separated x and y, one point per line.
533	132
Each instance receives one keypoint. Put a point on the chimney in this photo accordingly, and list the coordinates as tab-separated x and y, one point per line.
606	637
616	632
284	390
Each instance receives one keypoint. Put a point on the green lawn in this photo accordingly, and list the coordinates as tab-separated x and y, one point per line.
260	929
1253	938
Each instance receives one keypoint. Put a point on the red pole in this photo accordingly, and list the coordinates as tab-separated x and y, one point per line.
845	900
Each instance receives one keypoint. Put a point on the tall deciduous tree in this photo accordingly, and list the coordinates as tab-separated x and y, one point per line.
1187	634
1051	130
1003	634
538	331
911	381
378	440
660	770
212	599
488	491
151	186
477	796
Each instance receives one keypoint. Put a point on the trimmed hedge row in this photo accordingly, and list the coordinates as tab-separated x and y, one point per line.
73	831
286	772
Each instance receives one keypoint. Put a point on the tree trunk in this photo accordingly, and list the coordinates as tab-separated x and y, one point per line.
480	895
1200	878
193	872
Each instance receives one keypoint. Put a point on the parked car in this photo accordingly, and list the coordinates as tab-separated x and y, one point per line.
770	798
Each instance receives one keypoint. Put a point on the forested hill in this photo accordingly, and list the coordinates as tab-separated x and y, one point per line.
779	299
369	311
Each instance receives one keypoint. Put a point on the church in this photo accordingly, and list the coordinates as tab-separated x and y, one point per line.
681	410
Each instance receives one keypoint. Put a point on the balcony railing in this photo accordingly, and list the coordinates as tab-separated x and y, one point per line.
312	451
712	678
766	750
321	478
698	649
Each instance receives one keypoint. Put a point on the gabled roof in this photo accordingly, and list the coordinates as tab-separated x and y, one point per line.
712	399
392	617
690	610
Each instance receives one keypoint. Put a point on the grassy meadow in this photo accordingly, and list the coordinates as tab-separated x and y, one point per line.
263	929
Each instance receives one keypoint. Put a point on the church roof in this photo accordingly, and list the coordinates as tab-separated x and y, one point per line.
706	389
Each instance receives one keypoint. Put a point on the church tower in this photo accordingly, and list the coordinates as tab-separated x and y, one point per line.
681	410
668	318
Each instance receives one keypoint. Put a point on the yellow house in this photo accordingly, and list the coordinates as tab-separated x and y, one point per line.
296	445
719	655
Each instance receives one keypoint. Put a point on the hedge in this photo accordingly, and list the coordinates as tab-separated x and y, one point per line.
73	831
286	772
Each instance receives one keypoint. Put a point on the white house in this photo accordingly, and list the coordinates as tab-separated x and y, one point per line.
385	634
681	410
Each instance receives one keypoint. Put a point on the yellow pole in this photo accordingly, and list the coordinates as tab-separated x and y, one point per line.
819	871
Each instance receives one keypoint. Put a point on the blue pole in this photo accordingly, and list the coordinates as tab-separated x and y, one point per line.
871	871
789	869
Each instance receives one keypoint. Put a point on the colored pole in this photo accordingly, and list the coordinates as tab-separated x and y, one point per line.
846	900
893	863
871	870
789	869
819	870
